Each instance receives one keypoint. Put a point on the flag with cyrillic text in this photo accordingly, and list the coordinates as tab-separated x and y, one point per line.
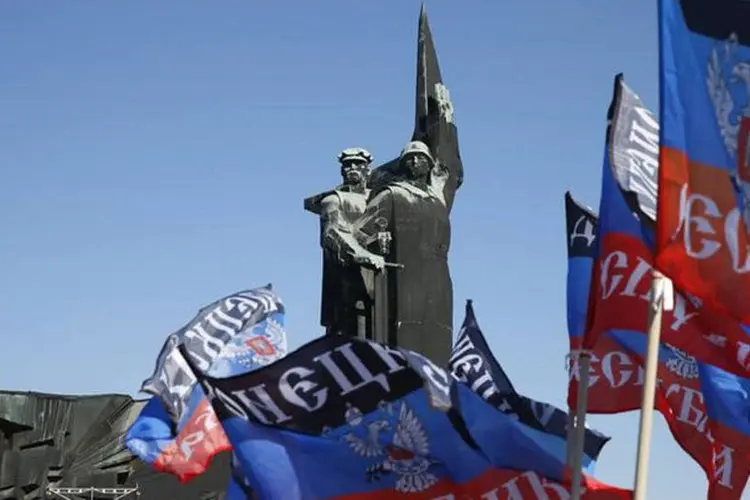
204	337
581	225
185	448
473	363
704	180
344	418
704	414
621	280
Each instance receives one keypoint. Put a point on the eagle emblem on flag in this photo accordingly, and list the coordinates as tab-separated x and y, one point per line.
728	83
405	453
682	364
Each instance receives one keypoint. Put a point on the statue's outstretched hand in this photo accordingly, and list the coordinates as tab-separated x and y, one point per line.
370	260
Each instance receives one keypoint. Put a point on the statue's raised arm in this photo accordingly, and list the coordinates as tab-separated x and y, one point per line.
435	116
448	171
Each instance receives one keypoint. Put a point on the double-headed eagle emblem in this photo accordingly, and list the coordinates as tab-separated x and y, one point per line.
405	454
728	84
682	364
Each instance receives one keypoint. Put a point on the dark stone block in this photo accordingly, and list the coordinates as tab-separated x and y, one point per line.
76	441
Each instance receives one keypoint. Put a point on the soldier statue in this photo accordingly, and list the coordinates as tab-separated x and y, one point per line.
386	272
346	303
413	211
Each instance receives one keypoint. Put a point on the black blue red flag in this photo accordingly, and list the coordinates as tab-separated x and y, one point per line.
581	225
253	338
704	179
702	404
621	281
204	337
344	418
473	363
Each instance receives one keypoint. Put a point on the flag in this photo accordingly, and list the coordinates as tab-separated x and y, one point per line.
185	448
621	281
702	404
615	380
204	337
704	181
238	487
581	236
473	363
706	409
344	418
515	485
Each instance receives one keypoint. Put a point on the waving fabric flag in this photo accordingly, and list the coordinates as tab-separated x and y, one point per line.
204	337
581	236
703	406
473	363
620	297
185	448
706	409
613	370
704	182
238	488
345	418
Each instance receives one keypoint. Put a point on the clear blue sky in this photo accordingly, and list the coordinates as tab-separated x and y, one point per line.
154	156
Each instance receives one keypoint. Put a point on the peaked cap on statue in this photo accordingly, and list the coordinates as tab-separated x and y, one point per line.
355	154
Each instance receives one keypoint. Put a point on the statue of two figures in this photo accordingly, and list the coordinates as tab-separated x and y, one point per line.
385	251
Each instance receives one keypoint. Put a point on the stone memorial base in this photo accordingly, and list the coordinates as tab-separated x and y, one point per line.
76	442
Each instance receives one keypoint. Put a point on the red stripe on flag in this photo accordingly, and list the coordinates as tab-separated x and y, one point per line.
199	441
621	301
499	484
702	242
720	451
615	379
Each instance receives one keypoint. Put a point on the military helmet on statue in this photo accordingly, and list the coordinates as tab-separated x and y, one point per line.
416	147
355	155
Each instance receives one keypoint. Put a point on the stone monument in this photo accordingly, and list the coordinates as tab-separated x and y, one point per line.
50	441
385	236
397	246
345	305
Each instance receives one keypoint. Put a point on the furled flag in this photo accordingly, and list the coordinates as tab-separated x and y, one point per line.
348	418
473	363
186	447
581	236
703	411
621	284
704	179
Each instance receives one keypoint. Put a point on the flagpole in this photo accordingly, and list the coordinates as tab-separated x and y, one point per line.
649	385
579	434
571	428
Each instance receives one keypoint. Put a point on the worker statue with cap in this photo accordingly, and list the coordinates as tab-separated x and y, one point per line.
413	209
345	302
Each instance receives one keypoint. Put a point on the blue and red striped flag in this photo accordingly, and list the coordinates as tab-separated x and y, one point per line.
704	179
704	406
